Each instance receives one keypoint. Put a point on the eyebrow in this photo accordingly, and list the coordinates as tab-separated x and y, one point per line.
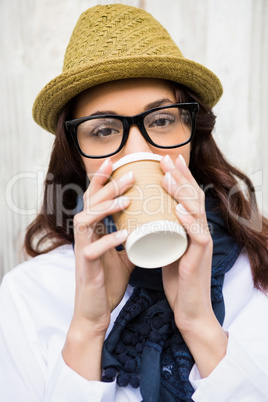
152	105
159	102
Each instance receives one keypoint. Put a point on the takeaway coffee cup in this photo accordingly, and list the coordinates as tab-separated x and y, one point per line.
156	237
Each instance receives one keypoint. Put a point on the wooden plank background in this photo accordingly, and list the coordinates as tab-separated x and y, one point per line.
230	37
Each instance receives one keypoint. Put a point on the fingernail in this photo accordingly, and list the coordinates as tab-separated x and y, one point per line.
181	210
122	201
183	160
126	177
122	234
104	165
170	179
169	162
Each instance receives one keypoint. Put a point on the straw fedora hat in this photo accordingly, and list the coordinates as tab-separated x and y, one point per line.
112	42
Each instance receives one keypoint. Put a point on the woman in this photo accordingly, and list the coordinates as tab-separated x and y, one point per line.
194	330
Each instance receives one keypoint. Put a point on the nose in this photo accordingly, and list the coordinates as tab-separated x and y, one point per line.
136	142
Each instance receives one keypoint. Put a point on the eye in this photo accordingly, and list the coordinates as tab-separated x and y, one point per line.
103	132
100	128
160	120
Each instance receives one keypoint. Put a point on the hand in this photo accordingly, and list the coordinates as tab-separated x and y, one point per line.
187	282
102	273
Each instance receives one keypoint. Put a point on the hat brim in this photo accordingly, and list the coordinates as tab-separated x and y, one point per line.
54	96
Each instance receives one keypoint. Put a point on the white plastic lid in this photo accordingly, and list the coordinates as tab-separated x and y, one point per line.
137	156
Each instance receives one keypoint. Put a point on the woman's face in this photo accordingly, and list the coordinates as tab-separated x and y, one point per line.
128	98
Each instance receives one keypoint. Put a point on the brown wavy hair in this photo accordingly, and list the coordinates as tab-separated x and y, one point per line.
66	179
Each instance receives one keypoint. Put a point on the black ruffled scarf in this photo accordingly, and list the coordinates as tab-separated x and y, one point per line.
145	349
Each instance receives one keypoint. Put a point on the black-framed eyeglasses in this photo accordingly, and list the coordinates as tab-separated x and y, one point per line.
100	136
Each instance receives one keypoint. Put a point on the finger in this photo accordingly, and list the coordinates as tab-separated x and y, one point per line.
95	250
180	183
184	192
100	177
191	207
86	219
112	189
196	227
93	254
167	164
